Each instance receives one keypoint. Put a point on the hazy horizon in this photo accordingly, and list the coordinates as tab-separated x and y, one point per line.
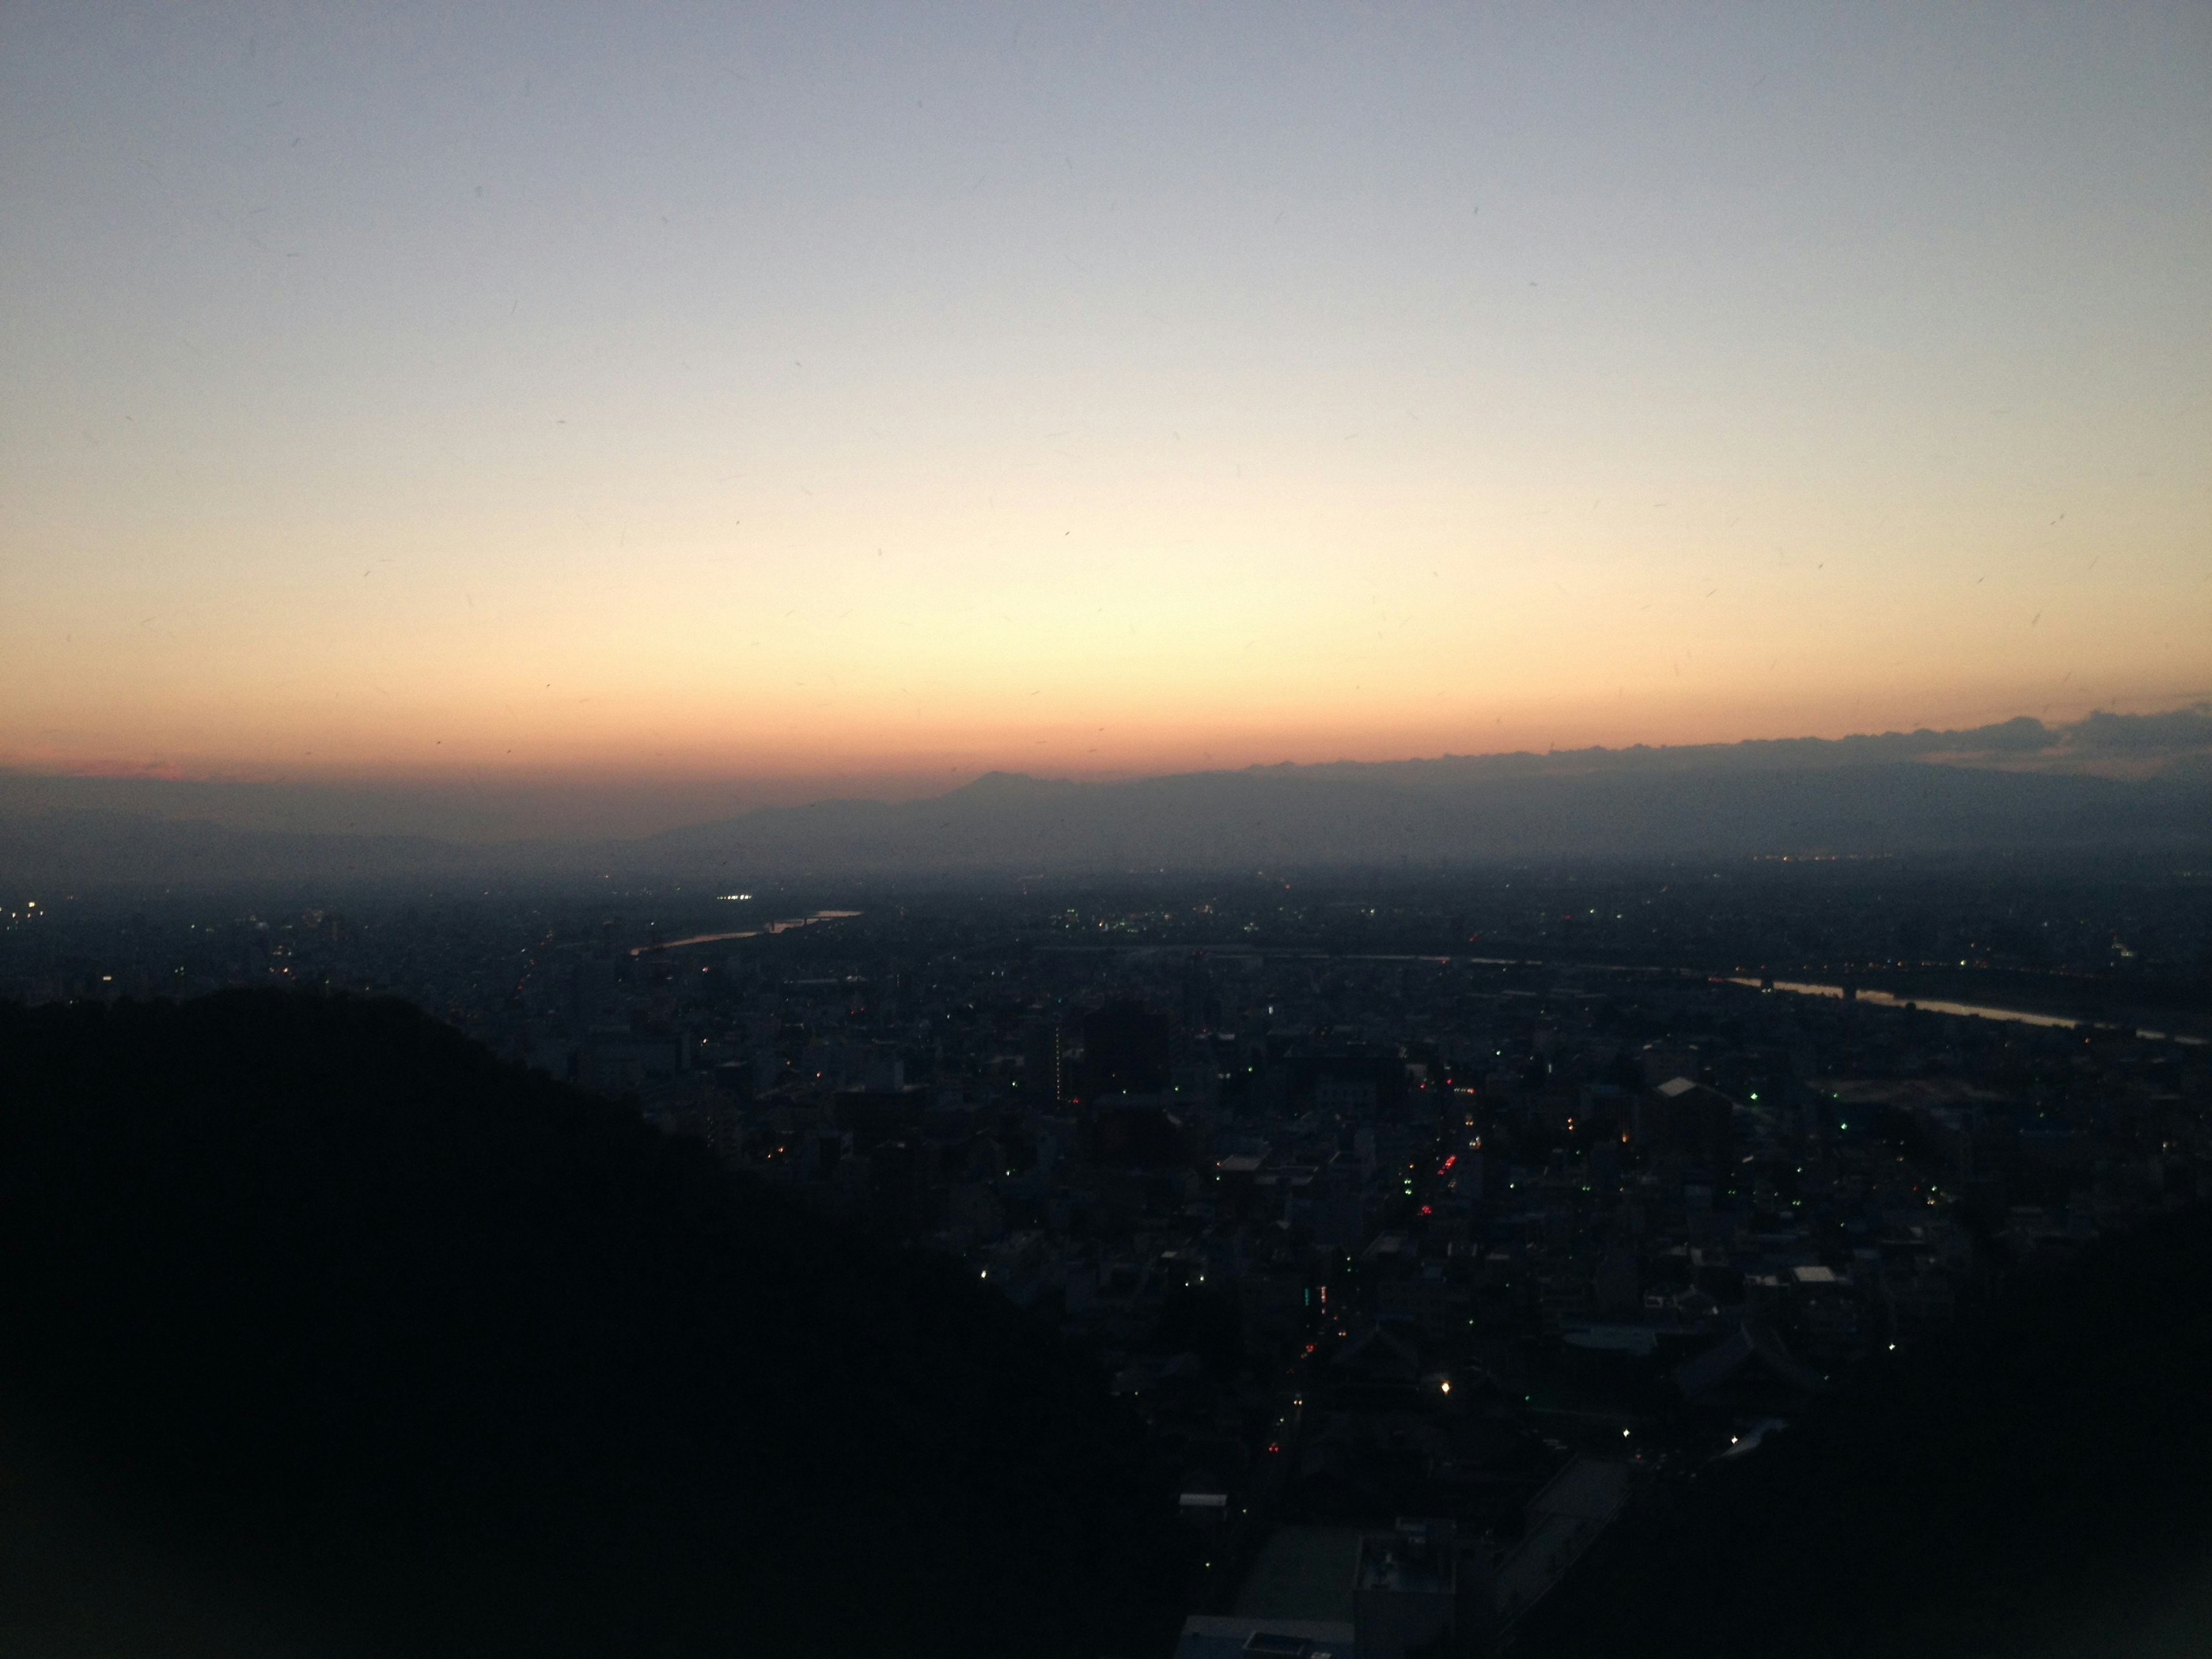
504	810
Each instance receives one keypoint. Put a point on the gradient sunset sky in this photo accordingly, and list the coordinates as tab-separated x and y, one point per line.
826	392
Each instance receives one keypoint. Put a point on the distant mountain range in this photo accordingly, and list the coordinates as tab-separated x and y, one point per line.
2020	786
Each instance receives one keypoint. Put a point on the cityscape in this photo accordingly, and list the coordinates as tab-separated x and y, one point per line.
1498	1203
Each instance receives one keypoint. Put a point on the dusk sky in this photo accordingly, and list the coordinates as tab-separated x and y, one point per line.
869	395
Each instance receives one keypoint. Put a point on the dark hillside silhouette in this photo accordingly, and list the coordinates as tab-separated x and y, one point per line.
2034	1487
372	1343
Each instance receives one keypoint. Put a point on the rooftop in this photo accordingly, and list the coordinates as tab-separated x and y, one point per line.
1302	1573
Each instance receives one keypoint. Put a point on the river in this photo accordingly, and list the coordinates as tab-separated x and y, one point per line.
1970	1010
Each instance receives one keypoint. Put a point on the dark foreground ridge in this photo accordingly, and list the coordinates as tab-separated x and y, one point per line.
321	1331
2033	1486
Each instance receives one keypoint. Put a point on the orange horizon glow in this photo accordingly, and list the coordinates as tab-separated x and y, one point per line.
942	653
924	640
801	773
1152	402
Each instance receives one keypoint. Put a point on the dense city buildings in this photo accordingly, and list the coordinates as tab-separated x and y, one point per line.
1428	1229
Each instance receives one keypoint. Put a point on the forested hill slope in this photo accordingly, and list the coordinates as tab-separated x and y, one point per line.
322	1331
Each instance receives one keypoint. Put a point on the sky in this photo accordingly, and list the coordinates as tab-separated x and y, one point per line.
720	403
